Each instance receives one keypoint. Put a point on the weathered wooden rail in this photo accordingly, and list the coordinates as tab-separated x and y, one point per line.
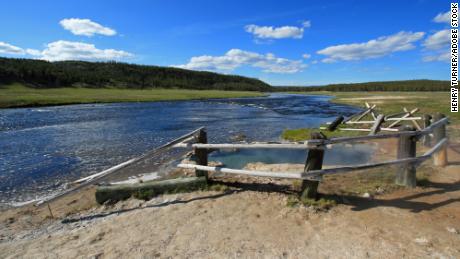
95	178
313	172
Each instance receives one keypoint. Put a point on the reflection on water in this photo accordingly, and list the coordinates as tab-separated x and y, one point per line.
41	149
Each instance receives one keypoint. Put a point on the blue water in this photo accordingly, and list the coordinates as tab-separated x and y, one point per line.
43	148
338	155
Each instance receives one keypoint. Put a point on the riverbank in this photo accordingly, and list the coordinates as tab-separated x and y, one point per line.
20	96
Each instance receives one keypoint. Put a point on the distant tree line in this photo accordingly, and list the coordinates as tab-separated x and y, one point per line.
44	74
408	85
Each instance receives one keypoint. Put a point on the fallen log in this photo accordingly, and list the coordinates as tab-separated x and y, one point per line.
148	190
335	123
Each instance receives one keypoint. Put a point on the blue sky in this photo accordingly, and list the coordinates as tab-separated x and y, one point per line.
281	42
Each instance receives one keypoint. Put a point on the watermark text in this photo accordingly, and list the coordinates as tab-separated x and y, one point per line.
454	57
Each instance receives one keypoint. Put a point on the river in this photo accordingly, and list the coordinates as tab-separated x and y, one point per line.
42	149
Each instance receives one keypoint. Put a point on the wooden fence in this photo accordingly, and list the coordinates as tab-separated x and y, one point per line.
313	172
377	121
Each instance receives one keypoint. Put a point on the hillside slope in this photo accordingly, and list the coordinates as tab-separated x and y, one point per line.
44	74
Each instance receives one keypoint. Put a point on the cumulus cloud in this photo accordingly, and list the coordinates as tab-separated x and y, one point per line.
441	56
379	47
270	32
85	27
442	17
437	45
235	58
69	50
438	40
6	48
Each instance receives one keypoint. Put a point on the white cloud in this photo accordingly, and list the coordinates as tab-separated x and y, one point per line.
306	24
69	50
442	57
379	47
437	45
85	27
6	48
235	58
270	32
438	40
442	17
306	56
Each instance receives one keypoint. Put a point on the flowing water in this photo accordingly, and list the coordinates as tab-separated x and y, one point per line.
42	149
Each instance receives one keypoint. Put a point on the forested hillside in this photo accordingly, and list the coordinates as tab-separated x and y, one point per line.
44	74
408	85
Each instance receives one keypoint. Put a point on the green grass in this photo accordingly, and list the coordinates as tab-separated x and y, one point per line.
304	133
17	95
147	194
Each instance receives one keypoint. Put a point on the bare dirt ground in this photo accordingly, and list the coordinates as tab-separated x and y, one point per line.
249	220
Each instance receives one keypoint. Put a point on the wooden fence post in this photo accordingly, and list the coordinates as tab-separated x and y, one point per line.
406	174
314	161
426	123
378	122
201	154
440	157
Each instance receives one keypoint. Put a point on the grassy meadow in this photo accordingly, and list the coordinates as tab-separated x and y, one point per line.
17	95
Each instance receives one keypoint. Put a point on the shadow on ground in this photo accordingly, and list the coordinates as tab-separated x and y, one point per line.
357	203
408	202
163	204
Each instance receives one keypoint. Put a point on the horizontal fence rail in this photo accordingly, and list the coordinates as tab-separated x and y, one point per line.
314	143
287	175
247	146
386	119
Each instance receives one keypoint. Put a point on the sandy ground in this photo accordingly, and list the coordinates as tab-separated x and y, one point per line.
250	220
